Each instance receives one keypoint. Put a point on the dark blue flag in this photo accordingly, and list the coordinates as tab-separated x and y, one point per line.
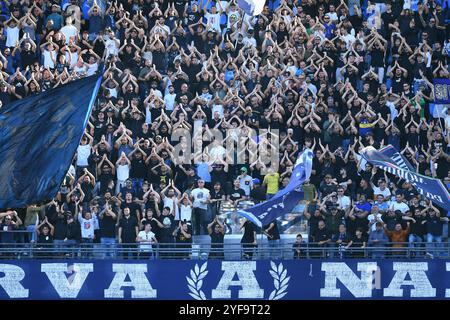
392	153
286	199
390	160
38	138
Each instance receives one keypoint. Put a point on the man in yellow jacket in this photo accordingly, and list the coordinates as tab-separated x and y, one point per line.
271	180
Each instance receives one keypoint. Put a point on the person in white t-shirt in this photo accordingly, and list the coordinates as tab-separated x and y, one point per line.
92	65
347	37
87	223
245	181
73	56
200	197
49	52
154	91
112	45
69	30
12	32
169	98
185	209
217	108
146	238
332	14
233	14
80	68
381	189
213	17
398	204
217	151
374	217
249	39
83	153
170	196
123	166
344	201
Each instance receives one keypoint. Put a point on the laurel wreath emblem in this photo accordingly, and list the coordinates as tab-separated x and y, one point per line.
195	282
278	273
280	281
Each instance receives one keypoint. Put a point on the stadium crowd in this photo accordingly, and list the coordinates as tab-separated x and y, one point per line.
330	75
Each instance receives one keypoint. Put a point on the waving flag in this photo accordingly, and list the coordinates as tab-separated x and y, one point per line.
251	7
286	199
38	138
390	160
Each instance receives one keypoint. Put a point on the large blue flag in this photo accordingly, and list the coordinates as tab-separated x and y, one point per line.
38	138
390	160
286	199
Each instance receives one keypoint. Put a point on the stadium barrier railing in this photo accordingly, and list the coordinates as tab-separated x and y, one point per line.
235	251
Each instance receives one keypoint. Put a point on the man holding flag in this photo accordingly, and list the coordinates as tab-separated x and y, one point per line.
286	199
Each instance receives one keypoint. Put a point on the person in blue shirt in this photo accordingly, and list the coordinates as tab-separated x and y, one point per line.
230	71
203	171
9	61
55	17
110	19
378	239
363	204
329	27
96	22
381	203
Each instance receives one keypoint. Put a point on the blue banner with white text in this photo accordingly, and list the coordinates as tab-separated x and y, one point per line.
390	160
214	279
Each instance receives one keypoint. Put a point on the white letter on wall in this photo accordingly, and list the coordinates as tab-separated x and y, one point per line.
246	279
419	280
67	287
11	281
359	287
138	280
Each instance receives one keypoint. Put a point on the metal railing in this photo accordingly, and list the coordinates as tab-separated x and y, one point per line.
234	251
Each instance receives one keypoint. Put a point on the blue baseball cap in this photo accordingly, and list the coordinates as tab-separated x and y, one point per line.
256	181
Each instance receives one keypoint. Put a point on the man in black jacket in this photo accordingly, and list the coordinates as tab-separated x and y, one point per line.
417	232
60	224
108	220
340	241
299	247
321	237
258	193
128	231
73	235
67	232
434	223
